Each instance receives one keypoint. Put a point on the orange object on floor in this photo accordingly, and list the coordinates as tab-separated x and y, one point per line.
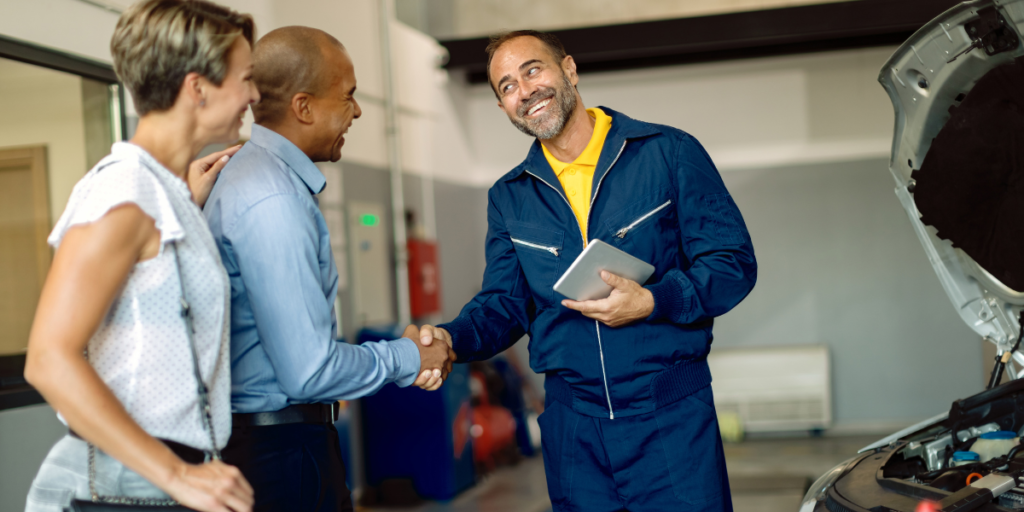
494	428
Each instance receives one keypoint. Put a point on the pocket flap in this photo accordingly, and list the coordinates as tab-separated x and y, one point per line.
539	235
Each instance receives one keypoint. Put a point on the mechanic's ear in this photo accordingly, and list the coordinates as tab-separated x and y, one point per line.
569	68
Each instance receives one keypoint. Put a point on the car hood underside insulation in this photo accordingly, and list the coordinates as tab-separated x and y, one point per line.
970	186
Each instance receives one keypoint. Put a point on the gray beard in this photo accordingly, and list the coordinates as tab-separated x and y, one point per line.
564	103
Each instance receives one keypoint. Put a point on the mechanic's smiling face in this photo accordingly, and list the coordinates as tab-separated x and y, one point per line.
537	93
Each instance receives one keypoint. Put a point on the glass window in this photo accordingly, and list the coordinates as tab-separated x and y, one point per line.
54	126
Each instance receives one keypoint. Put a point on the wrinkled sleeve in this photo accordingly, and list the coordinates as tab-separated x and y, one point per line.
715	240
276	245
500	314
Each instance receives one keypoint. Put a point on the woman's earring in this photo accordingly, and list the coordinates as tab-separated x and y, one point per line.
202	103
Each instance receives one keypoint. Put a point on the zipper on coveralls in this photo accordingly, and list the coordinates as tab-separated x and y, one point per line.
552	250
597	324
622	232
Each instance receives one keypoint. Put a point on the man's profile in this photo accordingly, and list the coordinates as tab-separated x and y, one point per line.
287	367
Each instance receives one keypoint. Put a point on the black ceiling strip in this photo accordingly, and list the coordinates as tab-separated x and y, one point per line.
842	25
53	59
14	391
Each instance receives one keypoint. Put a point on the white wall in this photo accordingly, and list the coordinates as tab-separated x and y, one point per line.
425	117
475	18
419	81
43	107
66	25
814	108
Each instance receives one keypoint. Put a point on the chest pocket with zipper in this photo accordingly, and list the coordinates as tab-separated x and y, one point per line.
539	250
646	229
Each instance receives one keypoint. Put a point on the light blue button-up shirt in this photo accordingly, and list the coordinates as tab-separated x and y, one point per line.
275	246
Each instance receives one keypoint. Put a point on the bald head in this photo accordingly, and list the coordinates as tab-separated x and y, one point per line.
288	61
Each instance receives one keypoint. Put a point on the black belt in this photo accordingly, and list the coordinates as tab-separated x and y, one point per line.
317	414
183	451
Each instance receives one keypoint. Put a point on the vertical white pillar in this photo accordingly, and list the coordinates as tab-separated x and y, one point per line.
395	163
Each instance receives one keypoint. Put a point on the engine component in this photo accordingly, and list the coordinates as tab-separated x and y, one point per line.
1013	499
974	496
952	480
933	452
964	458
973	432
994	444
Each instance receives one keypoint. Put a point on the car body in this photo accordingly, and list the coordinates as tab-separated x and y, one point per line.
957	88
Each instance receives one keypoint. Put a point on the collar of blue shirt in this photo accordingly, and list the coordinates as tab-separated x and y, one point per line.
291	155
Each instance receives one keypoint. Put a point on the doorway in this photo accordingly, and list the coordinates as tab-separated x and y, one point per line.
24	254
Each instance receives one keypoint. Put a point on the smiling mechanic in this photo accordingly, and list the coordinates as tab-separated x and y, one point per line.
630	421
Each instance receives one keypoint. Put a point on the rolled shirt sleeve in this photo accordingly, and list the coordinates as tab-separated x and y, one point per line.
277	248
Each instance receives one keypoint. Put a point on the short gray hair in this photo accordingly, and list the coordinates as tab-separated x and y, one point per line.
158	42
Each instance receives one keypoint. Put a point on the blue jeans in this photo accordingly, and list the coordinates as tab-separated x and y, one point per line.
64	476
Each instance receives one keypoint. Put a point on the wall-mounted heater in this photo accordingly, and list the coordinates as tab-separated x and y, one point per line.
775	388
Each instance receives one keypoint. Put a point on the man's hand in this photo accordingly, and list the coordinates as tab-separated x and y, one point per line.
202	173
429	333
628	302
435	361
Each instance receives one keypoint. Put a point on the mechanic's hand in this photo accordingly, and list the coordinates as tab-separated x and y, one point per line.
628	302
431	375
429	333
211	487
202	173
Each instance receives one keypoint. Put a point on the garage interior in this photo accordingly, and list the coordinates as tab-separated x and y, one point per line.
847	337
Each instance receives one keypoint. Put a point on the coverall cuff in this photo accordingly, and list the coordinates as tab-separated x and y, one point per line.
407	355
670	301
460	329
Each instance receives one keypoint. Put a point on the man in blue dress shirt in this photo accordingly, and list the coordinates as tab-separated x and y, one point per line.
287	368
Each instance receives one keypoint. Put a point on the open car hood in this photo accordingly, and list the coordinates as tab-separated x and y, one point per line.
958	158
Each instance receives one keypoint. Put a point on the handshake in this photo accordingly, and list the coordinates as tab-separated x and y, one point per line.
436	355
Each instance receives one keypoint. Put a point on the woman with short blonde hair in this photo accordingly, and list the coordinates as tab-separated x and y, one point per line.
142	382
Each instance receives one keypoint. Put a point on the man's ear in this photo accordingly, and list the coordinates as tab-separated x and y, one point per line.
302	108
569	68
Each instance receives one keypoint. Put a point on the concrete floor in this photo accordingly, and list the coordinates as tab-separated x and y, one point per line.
770	475
766	475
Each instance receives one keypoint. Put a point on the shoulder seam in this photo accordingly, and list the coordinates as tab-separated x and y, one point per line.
240	214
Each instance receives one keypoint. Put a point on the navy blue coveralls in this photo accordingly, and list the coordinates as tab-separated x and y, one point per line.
630	421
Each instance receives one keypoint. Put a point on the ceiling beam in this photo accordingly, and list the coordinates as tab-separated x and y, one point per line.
790	30
57	60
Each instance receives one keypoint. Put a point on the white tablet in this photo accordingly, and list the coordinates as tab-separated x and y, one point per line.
582	280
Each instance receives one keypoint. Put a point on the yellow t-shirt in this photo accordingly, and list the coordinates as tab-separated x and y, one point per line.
576	177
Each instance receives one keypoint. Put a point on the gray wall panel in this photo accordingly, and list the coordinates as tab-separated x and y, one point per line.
461	231
26	435
839	264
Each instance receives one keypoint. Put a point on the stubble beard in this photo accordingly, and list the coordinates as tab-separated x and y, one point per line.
559	112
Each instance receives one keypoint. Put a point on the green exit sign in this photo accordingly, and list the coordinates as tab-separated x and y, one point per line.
368	219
